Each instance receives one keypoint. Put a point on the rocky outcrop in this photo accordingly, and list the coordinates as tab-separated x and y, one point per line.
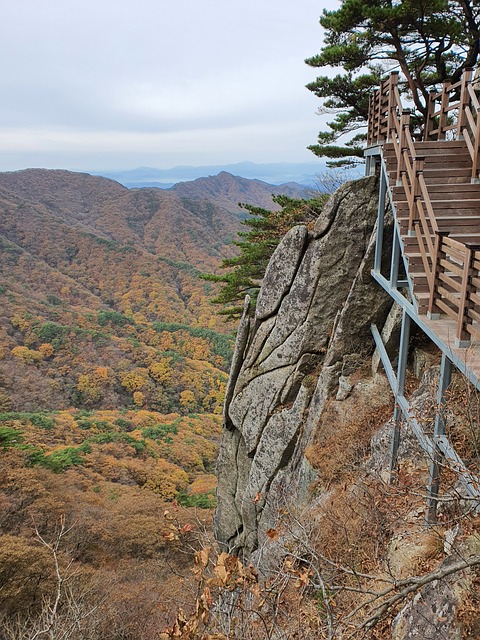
310	329
434	612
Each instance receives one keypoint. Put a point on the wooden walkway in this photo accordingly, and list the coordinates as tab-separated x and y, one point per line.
429	173
434	189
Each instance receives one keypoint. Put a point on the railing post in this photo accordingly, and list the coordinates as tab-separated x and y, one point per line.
433	312
476	149
464	320
443	118
377	264
430	115
391	103
439	430
404	125
418	166
399	391
380	111
371	119
395	260
464	100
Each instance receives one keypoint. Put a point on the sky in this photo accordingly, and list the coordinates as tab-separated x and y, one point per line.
118	84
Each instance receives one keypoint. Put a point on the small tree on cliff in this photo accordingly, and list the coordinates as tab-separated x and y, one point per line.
428	41
266	229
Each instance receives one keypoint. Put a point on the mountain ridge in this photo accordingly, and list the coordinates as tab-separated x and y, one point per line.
277	173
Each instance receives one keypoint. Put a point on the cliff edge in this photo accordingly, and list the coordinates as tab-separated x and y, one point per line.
310	329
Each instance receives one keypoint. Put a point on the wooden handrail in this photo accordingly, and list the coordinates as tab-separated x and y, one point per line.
452	268
453	112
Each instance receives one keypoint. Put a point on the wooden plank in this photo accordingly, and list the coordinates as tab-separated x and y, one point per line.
474	297
454	245
425	255
469	143
450	297
446	309
474	330
456	205
470	120
474	314
450	282
453	254
473	97
450	266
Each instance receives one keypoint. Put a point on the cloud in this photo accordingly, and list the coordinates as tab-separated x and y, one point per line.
86	79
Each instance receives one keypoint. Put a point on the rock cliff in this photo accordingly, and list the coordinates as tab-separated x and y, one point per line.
300	408
309	331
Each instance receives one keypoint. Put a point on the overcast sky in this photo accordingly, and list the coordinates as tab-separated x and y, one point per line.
117	84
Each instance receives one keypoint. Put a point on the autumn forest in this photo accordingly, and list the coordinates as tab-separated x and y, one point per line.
113	366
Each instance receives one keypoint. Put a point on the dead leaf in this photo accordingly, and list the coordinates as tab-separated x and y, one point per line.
272	534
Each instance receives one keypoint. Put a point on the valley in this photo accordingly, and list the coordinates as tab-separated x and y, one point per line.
113	368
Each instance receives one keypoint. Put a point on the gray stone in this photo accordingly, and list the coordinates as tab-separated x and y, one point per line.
433	612
312	325
280	272
423	360
344	388
251	408
238	356
390	335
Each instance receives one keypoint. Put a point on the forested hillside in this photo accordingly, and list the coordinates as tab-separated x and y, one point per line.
101	301
113	366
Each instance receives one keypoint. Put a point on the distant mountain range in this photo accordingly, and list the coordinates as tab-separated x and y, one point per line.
274	173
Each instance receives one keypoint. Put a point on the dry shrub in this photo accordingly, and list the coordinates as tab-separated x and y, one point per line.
354	526
206	483
469	611
463	420
25	573
343	436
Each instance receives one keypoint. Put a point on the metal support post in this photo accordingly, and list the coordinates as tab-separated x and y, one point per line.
377	265
401	372
439	431
396	253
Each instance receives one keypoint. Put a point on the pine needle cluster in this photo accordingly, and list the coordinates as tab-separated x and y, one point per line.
265	230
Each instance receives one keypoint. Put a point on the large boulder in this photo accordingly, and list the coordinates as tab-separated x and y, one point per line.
311	327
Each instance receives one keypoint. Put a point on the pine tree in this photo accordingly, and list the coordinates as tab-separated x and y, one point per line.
428	41
266	229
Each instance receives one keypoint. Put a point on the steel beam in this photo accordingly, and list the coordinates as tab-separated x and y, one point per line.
439	430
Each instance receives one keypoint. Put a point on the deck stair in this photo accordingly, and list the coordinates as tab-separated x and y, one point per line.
434	190
431	178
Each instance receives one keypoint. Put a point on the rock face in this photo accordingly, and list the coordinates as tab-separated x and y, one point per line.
434	611
310	329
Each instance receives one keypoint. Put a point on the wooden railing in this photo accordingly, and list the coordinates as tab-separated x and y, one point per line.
410	168
451	268
379	109
456	285
454	112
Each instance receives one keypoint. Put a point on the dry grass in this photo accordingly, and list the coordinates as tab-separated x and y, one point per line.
343	438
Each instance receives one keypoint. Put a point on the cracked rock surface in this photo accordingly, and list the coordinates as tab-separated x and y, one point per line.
311	326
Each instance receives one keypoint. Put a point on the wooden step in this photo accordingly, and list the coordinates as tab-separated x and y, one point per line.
423	299
465	226
442	210
431	147
434	153
464	191
433	162
464	237
434	176
420	279
452	206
